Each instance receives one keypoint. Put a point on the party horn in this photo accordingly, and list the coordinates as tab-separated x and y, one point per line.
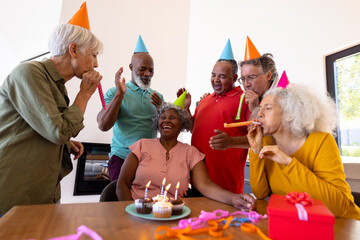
239	124
102	96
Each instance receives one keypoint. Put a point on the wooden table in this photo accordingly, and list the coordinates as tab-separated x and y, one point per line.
111	221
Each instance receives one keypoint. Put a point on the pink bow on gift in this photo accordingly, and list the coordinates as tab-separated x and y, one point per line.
296	197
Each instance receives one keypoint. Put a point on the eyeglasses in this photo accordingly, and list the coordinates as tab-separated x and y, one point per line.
249	78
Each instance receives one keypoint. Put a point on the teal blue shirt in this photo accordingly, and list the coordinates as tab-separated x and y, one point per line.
134	120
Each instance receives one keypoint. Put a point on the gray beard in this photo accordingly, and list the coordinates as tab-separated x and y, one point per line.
140	84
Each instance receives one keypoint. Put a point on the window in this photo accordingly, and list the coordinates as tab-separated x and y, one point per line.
343	84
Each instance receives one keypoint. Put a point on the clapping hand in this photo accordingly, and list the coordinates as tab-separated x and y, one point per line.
155	99
120	83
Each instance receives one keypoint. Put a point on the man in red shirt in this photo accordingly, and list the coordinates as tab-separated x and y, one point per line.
225	167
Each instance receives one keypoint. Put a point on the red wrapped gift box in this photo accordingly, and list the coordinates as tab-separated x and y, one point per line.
284	222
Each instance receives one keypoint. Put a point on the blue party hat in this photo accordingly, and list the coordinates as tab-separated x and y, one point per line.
227	53
140	46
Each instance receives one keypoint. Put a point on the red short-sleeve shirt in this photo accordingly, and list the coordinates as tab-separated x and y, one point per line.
225	167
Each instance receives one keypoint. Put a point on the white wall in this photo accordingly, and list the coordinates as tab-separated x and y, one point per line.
297	33
24	30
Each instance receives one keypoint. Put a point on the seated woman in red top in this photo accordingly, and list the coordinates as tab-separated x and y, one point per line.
154	159
298	152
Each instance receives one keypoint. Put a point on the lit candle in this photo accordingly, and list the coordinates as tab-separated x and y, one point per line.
162	187
146	189
176	191
166	189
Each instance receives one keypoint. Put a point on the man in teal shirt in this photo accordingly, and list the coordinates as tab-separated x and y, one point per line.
130	108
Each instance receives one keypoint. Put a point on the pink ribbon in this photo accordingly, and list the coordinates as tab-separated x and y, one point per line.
302	214
300	200
201	221
102	96
80	230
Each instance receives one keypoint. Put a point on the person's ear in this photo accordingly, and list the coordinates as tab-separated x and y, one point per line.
235	78
73	48
130	66
268	75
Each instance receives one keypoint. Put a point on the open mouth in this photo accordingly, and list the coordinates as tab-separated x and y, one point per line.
217	87
166	128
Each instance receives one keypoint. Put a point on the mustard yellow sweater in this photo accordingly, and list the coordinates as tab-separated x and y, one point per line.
316	168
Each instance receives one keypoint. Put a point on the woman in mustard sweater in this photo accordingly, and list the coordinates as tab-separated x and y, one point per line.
298	151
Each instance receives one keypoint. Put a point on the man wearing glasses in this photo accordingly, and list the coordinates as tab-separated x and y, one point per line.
257	76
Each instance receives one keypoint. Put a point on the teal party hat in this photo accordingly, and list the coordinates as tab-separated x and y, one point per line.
140	46
227	53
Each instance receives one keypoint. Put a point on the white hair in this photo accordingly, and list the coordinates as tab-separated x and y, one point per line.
140	83
65	34
304	110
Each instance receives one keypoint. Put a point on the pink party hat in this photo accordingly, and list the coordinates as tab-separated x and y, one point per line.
284	81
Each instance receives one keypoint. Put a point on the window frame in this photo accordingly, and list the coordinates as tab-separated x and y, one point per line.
331	80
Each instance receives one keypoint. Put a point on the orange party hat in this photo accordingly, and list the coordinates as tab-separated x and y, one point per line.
250	50
81	18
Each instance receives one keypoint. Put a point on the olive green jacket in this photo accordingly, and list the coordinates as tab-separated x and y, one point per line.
36	125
